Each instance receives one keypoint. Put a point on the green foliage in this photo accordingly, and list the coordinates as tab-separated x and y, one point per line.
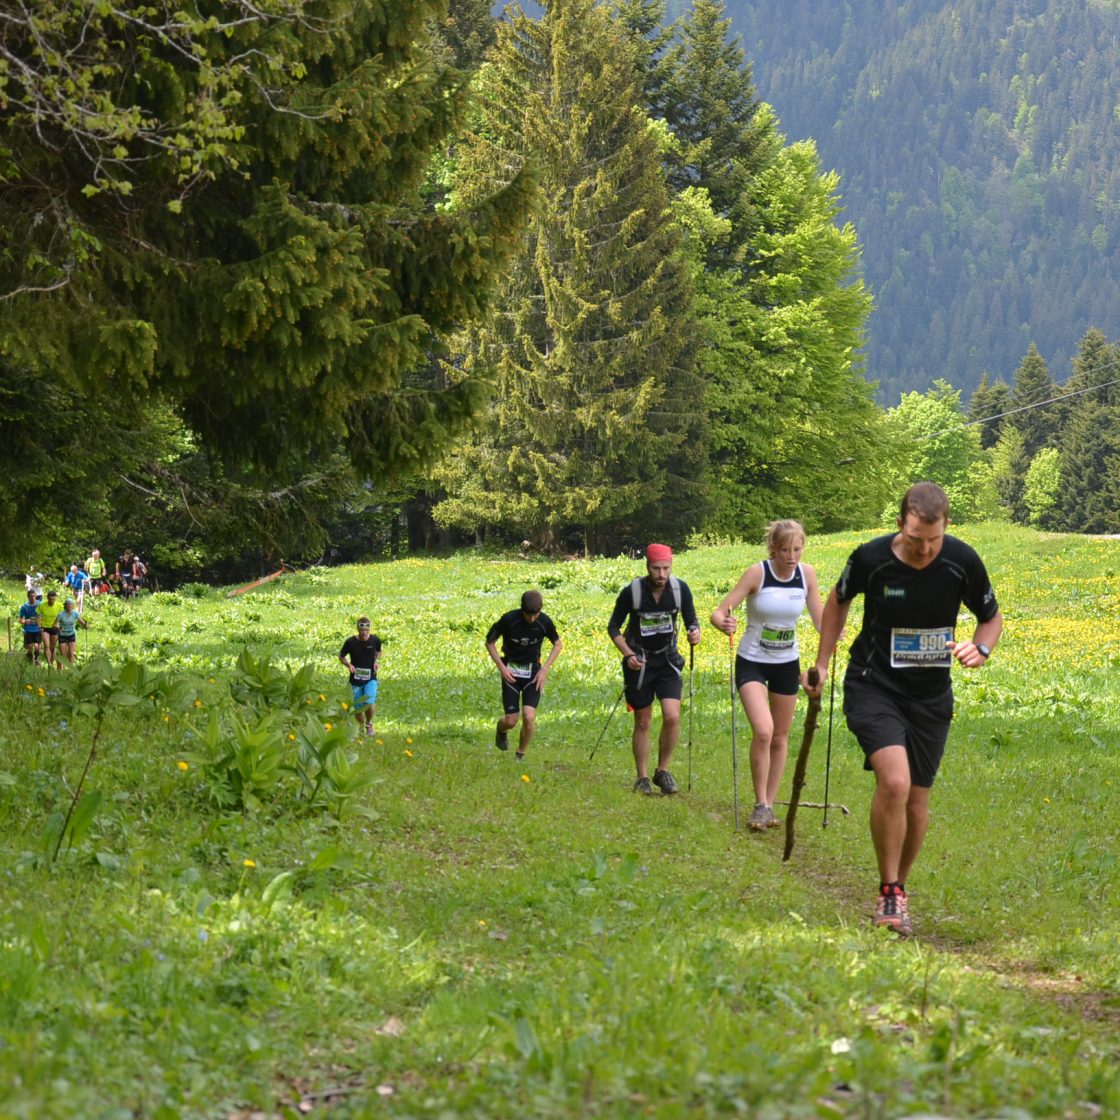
593	435
257	683
272	190
1036	421
990	399
931	441
241	760
972	159
329	772
1042	486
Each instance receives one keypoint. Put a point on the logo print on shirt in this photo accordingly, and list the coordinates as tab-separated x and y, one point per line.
894	592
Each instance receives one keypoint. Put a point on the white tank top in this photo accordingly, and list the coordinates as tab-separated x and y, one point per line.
772	614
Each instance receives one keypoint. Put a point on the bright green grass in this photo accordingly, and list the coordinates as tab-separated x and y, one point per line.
531	939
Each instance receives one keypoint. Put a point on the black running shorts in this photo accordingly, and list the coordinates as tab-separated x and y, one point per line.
522	693
783	679
879	718
659	678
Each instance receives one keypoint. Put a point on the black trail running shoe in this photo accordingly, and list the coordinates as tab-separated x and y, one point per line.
665	782
501	740
643	785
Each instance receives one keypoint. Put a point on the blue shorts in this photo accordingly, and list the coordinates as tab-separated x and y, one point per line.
365	694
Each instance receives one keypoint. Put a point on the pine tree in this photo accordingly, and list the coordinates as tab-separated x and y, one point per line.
281	279
595	428
709	101
1038	422
1089	498
989	399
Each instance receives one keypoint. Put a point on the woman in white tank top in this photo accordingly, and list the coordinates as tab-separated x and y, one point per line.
768	667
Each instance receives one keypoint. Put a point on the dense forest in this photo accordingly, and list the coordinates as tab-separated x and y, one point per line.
979	150
339	280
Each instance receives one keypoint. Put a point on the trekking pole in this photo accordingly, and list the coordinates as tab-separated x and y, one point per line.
606	725
734	747
828	753
691	652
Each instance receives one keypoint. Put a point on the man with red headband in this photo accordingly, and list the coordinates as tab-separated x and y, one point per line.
651	663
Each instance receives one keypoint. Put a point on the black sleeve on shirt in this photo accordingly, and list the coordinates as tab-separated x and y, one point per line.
496	631
853	579
550	631
620	613
978	594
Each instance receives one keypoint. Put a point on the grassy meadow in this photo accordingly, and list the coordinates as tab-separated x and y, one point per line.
253	914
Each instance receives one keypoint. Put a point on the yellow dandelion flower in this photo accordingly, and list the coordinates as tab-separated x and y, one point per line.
198	703
328	726
1047	800
166	719
380	742
345	706
408	753
29	687
248	863
525	777
183	765
321	696
482	921
407	739
291	737
42	692
213	680
307	701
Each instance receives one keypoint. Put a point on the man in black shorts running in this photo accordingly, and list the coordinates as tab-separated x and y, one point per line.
651	664
523	676
898	695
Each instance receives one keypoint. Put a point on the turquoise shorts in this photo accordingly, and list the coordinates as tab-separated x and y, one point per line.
365	694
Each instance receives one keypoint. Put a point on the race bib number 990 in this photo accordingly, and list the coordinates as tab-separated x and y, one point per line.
921	649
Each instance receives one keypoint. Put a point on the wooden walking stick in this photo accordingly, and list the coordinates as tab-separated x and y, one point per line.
802	761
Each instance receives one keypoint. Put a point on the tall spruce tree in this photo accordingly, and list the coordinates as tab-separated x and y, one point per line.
1037	422
707	96
781	307
989	399
1089	495
594	432
250	247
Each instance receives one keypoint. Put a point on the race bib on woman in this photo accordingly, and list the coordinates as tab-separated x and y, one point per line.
776	640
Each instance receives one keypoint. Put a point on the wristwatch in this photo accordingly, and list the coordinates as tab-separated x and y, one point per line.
983	649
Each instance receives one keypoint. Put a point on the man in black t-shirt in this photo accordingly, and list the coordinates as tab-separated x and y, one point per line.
898	695
361	655
523	676
651	663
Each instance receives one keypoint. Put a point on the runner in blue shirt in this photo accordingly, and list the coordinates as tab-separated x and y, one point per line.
32	627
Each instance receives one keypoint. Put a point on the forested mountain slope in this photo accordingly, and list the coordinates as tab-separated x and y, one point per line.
979	144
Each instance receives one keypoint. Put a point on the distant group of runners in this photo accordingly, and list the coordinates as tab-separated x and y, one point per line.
50	628
898	696
50	621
